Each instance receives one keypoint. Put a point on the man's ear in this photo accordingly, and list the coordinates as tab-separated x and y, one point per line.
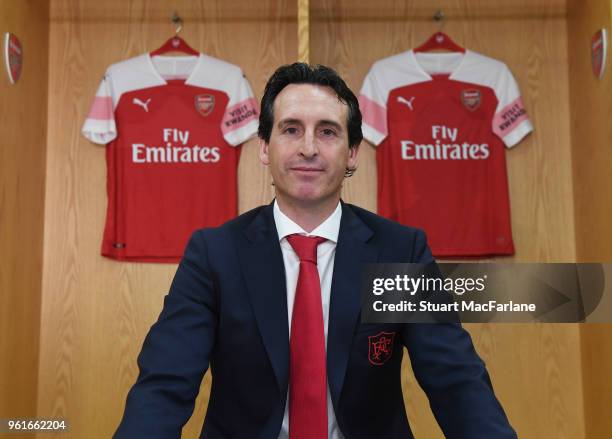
263	152
353	158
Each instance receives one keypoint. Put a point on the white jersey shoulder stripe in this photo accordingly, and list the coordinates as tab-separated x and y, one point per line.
510	121
393	72
218	75
404	69
384	76
480	69
240	120
240	117
132	74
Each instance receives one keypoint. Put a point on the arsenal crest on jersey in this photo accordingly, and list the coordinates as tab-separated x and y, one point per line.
380	347
470	99
205	104
599	45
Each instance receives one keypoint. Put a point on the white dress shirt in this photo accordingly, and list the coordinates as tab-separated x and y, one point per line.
326	252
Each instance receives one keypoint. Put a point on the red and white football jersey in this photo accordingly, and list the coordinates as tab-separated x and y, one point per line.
172	126
440	121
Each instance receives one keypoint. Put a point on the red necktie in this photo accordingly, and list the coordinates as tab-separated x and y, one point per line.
307	373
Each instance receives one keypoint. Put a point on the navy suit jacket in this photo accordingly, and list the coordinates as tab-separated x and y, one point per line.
227	308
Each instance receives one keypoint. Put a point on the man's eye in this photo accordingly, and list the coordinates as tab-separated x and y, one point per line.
290	130
328	132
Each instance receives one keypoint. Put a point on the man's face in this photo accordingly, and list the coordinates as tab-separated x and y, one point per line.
308	150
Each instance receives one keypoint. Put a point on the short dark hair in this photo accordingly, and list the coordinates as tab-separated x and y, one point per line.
302	73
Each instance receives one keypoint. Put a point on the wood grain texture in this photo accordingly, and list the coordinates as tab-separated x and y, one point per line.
591	106
535	369
592	135
303	31
23	120
95	311
596	366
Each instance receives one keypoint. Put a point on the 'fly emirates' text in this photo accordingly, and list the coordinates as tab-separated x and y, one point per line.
175	151
444	147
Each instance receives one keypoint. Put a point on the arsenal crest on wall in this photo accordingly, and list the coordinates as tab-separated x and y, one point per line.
13	57
599	46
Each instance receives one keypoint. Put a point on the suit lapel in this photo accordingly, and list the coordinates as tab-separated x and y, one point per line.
264	270
262	264
352	251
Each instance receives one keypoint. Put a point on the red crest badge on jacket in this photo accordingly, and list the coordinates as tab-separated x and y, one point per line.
380	347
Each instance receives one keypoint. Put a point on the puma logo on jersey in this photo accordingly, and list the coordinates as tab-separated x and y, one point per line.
142	104
407	102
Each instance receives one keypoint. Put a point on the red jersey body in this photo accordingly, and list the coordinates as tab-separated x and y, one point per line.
172	126
440	121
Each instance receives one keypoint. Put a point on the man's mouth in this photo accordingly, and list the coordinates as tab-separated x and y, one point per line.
306	169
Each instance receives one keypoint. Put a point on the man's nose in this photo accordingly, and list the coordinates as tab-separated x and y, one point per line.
309	146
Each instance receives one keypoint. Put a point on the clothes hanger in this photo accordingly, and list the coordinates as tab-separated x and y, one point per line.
439	40
176	43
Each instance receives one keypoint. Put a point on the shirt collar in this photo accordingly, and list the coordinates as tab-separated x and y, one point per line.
328	229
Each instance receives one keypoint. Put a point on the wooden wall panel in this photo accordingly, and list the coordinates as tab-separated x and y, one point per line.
303	30
95	311
23	117
535	368
591	106
592	134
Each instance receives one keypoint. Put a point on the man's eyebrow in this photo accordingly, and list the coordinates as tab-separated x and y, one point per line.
333	123
323	122
288	121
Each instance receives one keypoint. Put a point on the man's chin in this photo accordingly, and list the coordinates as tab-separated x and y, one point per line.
307	197
311	198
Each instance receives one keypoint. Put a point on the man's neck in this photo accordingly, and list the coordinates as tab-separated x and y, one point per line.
308	216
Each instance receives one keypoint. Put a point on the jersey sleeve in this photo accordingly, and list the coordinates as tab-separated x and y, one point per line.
373	105
100	127
241	118
511	122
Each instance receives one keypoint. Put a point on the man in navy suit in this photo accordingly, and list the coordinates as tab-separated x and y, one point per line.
271	301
